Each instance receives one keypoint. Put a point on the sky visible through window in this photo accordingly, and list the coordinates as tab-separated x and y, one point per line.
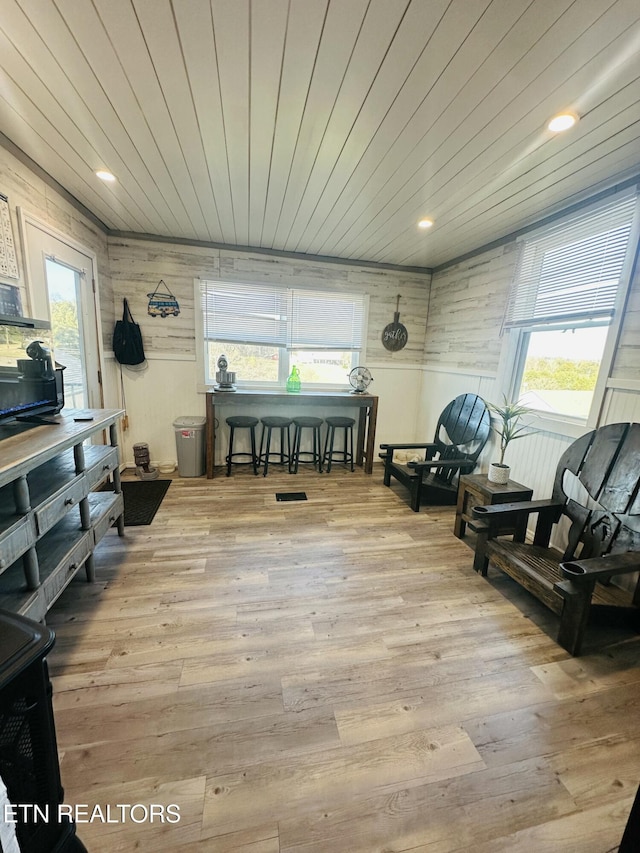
63	303
578	345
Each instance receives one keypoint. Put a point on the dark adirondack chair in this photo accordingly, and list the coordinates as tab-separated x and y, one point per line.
596	489
631	837
462	431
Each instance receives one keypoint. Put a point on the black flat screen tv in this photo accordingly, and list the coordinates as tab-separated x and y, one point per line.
29	393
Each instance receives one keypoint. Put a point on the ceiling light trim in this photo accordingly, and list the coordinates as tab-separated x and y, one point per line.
561	122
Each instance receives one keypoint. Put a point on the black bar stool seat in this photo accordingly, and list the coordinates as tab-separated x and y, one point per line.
314	456
247	458
282	456
331	453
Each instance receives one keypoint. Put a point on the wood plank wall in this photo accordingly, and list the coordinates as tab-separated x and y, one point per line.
26	190
466	309
138	265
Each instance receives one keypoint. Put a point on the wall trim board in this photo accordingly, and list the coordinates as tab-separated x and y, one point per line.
394	365
155	356
541	223
624	384
46	178
24	158
459	371
275	253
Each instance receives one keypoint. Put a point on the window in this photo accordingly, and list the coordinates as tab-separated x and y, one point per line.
569	284
265	329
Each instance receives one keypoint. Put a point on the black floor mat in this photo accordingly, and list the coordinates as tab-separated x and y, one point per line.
142	500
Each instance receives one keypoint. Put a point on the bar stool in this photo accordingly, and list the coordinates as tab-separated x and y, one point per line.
310	456
330	453
242	422
268	424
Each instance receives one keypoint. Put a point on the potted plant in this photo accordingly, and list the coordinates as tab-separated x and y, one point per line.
508	428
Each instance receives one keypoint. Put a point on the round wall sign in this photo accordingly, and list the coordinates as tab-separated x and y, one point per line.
394	335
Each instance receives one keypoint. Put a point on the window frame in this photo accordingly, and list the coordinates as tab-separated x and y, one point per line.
285	361
517	355
514	349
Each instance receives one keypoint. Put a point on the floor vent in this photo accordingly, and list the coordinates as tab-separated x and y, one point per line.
291	496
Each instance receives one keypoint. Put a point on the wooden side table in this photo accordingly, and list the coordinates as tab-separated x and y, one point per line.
476	490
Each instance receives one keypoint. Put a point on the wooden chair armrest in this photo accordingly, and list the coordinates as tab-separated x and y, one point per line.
600	568
391	469
440	463
515	515
393	447
499	512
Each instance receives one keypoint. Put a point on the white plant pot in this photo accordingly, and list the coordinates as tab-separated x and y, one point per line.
498	473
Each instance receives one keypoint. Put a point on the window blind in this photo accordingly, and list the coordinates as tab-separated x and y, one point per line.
272	315
570	271
326	320
244	313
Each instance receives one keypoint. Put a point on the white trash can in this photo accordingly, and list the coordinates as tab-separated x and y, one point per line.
190	445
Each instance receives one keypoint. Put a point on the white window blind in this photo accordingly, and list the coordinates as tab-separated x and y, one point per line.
326	320
268	315
570	271
244	313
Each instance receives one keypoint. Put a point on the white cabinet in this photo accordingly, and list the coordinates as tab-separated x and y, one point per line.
52	514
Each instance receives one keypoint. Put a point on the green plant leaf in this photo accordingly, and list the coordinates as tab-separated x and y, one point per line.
509	427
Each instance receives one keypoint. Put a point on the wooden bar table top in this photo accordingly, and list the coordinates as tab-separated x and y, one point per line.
367	404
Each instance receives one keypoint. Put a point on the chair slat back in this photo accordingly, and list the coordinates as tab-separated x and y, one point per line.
604	451
621	491
467	424
462	432
598	479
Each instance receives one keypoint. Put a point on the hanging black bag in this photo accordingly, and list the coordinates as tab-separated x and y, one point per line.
127	339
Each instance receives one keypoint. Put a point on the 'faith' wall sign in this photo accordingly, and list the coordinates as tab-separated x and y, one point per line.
394	335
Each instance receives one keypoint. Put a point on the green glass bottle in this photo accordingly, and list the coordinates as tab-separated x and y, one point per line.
293	382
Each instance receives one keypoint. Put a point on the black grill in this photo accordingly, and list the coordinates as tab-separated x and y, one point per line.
28	750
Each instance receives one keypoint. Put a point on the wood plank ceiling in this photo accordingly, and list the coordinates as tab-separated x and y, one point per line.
324	126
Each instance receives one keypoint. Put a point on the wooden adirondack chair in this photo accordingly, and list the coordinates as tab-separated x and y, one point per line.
596	488
462	431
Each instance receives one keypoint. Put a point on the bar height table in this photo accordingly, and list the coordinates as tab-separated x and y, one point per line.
367	404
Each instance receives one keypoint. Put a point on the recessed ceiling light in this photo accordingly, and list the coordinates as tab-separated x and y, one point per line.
425	223
561	122
105	176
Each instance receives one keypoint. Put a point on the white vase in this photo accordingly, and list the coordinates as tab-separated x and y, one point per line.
498	473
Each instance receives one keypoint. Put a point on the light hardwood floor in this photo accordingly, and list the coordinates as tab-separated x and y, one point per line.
331	676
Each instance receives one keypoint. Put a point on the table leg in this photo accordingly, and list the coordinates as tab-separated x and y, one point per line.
210	436
117	483
371	435
459	526
362	429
